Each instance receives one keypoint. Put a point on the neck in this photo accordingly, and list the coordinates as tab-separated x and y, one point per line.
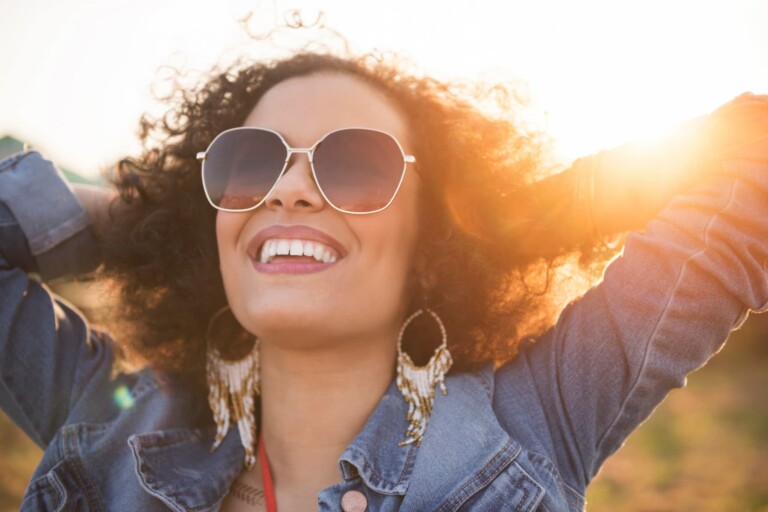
314	403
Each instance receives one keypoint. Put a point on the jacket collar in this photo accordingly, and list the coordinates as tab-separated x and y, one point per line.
464	447
463	440
375	455
177	466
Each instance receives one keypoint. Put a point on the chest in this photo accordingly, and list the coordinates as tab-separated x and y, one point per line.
245	496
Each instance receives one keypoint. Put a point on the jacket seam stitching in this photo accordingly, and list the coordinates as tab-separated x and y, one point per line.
379	477
73	461
14	159
44	242
536	484
649	345
169	498
401	478
573	497
62	490
46	479
478	477
143	483
151	441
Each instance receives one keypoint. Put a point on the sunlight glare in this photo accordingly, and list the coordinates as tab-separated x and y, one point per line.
599	72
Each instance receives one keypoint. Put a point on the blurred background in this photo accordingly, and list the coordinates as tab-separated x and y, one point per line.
77	74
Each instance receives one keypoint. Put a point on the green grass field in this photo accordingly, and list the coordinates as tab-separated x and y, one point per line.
705	448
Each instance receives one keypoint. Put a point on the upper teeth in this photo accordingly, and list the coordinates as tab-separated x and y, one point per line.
294	247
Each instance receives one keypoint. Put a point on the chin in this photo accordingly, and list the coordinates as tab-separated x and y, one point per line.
295	326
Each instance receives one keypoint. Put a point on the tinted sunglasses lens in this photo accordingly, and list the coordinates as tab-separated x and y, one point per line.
241	166
359	170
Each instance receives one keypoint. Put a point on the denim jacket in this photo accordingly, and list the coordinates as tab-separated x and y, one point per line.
526	436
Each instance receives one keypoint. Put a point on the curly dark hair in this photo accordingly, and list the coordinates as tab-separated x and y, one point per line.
496	229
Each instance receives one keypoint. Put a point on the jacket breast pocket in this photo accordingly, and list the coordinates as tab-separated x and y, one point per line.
59	490
47	493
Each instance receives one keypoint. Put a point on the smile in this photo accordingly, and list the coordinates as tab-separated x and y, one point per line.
296	250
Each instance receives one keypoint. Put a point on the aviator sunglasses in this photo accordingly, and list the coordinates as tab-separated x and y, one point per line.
357	170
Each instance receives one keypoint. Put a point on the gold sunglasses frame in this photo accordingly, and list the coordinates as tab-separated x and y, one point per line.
310	152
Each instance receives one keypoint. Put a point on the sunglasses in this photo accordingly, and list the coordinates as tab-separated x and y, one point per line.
357	170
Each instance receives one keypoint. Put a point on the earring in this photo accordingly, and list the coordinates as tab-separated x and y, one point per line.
232	386
417	383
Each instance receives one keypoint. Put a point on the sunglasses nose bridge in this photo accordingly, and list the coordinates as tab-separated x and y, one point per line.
307	151
291	151
284	192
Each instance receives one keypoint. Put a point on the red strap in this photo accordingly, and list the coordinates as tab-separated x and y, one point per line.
266	478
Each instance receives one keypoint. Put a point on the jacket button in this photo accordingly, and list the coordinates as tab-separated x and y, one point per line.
353	501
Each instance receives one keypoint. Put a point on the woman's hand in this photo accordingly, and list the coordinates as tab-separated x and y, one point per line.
96	201
739	129
623	188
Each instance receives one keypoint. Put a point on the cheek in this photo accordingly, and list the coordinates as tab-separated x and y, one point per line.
391	245
221	233
228	225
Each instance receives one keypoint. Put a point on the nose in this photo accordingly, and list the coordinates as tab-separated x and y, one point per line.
296	188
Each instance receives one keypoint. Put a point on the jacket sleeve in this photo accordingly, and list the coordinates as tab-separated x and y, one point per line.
47	351
664	307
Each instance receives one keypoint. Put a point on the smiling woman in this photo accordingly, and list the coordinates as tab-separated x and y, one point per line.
367	293
275	98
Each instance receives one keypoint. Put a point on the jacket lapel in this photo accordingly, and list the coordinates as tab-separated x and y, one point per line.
177	466
375	455
464	447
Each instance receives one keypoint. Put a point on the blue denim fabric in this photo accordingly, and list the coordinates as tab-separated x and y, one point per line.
529	435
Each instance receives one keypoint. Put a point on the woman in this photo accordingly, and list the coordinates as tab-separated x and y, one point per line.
382	241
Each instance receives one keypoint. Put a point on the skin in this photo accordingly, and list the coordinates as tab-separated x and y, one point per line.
328	339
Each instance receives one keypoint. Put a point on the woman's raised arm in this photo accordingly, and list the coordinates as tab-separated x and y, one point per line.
621	189
96	202
664	307
48	354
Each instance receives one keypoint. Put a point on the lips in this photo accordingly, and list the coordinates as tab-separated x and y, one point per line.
295	232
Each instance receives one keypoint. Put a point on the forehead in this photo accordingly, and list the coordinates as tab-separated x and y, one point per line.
305	108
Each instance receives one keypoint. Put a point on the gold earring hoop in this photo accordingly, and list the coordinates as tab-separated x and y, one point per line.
232	386
417	383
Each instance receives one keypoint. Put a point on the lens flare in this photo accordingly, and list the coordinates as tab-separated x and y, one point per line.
122	397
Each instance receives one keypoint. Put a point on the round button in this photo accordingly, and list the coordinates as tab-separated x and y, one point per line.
353	501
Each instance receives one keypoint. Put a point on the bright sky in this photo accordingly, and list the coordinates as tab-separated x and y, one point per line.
76	74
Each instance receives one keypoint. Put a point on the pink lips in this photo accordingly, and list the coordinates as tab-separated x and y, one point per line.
292	232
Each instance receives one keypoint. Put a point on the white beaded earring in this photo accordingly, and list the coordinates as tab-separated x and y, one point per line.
232	390
417	383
